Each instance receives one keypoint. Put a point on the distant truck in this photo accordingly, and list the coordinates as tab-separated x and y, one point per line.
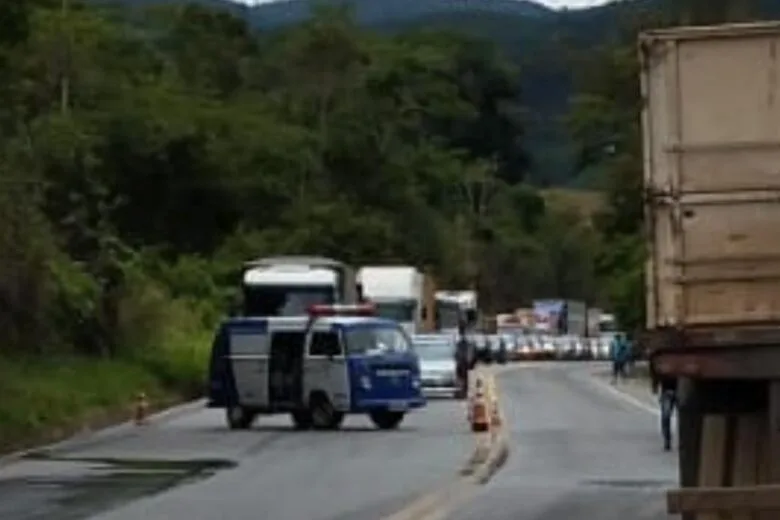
711	113
289	285
607	323
600	323
398	292
560	316
576	321
455	306
593	319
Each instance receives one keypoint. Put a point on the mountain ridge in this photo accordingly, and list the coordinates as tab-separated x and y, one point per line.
533	36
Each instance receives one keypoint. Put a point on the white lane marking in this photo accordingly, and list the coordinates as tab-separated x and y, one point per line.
628	398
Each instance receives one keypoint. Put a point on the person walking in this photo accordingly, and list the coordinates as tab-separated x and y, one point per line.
666	389
619	352
463	361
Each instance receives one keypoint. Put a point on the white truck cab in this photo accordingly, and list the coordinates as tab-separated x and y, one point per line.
289	285
397	293
454	307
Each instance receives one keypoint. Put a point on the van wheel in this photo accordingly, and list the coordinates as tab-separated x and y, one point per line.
301	419
323	415
239	418
386	420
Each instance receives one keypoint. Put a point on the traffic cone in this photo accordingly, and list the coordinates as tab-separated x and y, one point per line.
478	410
141	409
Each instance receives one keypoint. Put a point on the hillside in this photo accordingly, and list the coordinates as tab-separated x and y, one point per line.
531	35
542	42
380	12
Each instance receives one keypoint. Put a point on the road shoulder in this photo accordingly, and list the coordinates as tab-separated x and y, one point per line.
635	390
115	431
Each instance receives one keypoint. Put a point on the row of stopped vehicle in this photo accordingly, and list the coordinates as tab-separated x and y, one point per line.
337	360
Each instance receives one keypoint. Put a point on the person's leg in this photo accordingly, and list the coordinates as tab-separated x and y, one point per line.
615	370
667	405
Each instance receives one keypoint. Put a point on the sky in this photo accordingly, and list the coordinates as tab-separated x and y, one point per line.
550	3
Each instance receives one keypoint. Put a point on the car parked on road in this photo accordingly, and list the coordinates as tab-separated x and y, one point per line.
436	353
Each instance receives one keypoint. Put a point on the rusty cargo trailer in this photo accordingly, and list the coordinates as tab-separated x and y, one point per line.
711	130
712	176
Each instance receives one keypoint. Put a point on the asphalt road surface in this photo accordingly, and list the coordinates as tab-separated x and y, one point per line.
190	467
579	450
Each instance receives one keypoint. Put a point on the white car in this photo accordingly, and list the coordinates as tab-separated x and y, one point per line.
437	364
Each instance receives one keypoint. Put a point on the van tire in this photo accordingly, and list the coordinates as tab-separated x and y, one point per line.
239	418
323	415
302	419
385	419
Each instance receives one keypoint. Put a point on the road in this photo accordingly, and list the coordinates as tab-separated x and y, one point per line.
271	472
578	450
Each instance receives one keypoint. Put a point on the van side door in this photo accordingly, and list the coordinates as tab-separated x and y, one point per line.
249	349
327	369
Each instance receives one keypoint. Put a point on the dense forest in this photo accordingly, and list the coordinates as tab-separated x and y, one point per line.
145	154
543	43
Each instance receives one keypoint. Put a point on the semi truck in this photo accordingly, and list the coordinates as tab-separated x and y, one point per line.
454	307
711	141
398	292
560	316
289	285
593	319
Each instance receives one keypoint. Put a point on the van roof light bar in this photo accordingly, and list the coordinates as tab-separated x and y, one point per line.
363	309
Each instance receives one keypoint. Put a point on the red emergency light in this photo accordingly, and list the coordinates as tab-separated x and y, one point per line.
363	309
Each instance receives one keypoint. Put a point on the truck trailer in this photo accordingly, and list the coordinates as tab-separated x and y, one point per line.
711	131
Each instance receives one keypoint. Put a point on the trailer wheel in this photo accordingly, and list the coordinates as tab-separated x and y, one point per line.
323	415
386	420
239	418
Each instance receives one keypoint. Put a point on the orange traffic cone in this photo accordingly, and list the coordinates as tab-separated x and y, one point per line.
141	409
478	410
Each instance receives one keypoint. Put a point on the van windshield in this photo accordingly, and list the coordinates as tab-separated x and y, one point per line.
281	300
375	340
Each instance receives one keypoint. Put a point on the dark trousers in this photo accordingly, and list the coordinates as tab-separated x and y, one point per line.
668	402
462	371
618	369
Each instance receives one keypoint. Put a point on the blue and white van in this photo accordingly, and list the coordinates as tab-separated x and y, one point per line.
339	359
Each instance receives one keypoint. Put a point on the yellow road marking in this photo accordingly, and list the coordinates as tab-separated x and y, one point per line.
439	504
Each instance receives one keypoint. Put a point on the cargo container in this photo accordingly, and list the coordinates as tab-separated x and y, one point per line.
711	130
560	316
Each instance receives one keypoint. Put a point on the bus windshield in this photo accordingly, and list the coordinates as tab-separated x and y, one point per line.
280	300
401	311
375	340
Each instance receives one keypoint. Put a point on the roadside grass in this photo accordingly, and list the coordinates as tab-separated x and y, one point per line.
47	399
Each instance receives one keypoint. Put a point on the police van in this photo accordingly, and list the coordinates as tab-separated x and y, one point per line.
339	359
